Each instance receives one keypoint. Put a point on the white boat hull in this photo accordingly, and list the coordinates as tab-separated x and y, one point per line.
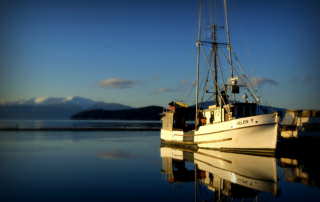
172	135
256	133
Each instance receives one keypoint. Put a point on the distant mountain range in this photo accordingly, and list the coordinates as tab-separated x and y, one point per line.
53	107
80	108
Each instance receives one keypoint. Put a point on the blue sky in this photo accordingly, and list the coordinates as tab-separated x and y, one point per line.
142	52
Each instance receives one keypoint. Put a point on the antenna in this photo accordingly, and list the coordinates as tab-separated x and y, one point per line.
229	47
198	45
215	62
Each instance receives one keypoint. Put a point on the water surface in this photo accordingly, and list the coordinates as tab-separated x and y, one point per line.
131	166
36	124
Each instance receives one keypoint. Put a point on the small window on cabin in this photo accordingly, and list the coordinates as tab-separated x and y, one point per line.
212	117
246	111
240	111
243	111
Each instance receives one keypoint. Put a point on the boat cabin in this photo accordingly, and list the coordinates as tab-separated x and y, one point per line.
216	114
174	118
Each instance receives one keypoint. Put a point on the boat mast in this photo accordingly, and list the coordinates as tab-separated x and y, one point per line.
198	45
228	37
215	62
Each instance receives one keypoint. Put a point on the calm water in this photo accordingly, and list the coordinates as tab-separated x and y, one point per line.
76	123
131	166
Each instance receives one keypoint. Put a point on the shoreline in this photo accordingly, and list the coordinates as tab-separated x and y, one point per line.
84	129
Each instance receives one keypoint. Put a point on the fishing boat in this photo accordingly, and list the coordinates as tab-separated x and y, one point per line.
235	120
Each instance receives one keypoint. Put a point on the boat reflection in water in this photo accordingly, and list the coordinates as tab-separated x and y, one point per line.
301	169
174	165
225	175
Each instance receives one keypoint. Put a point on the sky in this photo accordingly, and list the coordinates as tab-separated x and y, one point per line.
142	52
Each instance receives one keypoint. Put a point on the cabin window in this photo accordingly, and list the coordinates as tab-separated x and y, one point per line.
248	111
211	178
211	117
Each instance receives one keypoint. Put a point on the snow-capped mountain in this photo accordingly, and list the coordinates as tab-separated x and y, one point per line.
52	107
84	102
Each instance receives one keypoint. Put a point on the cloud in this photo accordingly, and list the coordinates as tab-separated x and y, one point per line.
117	83
182	86
256	81
164	90
309	78
188	83
185	82
155	77
259	82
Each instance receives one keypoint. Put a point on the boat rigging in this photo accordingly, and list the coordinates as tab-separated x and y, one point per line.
228	122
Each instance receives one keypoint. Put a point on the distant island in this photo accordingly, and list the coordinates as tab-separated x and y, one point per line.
143	113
